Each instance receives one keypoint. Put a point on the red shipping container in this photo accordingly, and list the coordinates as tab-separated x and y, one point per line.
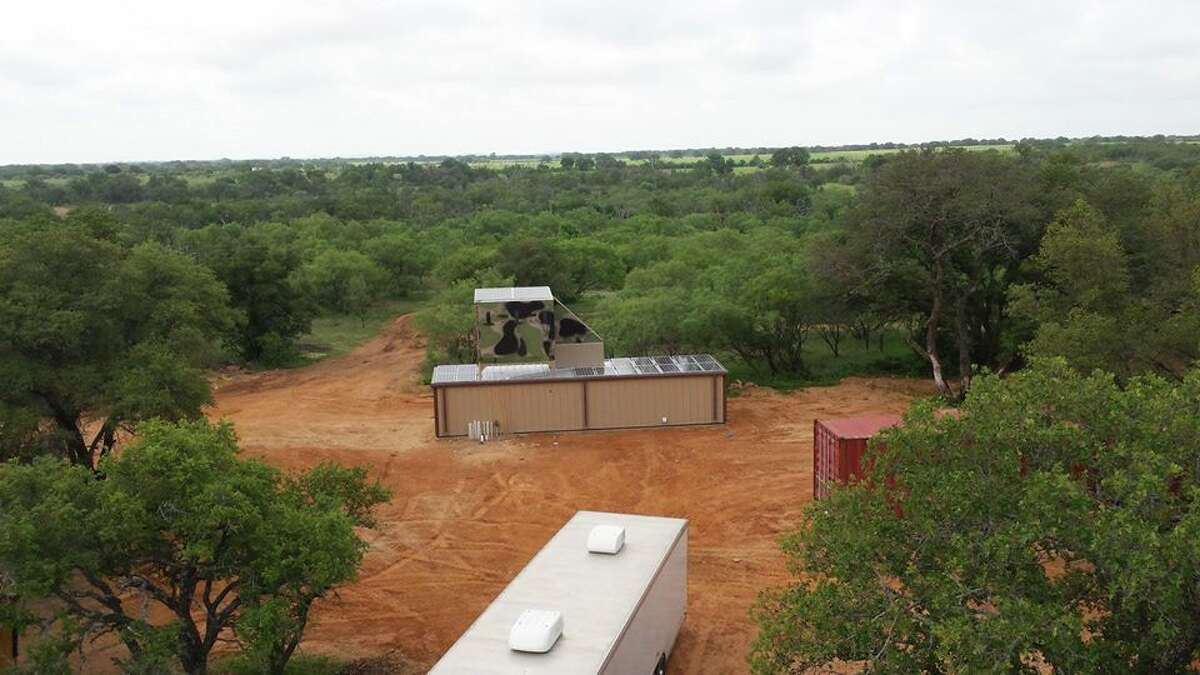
839	446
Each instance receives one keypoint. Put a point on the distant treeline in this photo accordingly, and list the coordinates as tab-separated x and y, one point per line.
22	171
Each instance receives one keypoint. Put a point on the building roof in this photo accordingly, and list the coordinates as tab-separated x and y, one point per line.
860	427
513	294
596	593
636	366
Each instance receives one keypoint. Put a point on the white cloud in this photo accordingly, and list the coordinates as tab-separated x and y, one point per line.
87	81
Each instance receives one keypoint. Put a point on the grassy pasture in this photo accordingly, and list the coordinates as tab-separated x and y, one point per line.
839	187
503	163
18	183
850	156
860	155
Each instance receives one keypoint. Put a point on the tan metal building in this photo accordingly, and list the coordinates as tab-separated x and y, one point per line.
627	392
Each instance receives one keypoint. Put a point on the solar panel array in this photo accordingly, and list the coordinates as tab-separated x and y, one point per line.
621	366
514	294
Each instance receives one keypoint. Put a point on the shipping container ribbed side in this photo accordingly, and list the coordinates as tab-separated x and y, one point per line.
839	446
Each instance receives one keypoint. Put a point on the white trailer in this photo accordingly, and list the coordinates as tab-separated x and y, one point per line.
577	607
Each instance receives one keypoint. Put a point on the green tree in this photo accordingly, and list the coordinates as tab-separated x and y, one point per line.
1049	527
181	522
448	321
1086	290
401	259
786	158
754	298
256	263
655	321
535	261
121	188
590	265
937	237
95	338
465	263
311	538
345	282
1085	308
715	163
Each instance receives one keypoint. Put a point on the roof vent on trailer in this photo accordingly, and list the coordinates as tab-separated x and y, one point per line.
606	539
536	631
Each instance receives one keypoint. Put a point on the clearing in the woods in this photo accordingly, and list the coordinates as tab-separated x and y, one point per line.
465	517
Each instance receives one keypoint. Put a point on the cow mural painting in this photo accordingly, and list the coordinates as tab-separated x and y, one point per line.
525	325
539	367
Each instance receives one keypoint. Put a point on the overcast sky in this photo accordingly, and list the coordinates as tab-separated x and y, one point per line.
104	80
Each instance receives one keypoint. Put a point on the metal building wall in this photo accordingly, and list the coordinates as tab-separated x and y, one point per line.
839	446
620	403
575	405
519	408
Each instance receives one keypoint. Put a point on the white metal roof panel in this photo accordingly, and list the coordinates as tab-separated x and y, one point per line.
597	595
513	294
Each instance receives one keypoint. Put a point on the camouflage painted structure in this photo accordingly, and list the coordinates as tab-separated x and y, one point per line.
527	325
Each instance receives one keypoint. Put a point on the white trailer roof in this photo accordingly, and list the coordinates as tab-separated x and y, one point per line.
598	595
513	294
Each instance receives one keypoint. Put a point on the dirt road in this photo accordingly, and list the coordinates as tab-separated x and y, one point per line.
465	518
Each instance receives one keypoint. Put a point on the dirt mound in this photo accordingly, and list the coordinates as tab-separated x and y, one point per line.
465	518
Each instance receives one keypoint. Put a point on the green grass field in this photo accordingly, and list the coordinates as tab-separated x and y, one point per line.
206	178
839	187
339	335
860	155
502	163
18	183
851	156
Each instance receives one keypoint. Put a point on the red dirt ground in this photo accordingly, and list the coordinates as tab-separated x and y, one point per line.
465	517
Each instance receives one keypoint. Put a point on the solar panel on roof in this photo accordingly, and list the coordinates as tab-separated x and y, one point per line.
514	294
620	366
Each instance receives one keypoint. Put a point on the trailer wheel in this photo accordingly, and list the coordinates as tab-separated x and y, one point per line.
661	668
